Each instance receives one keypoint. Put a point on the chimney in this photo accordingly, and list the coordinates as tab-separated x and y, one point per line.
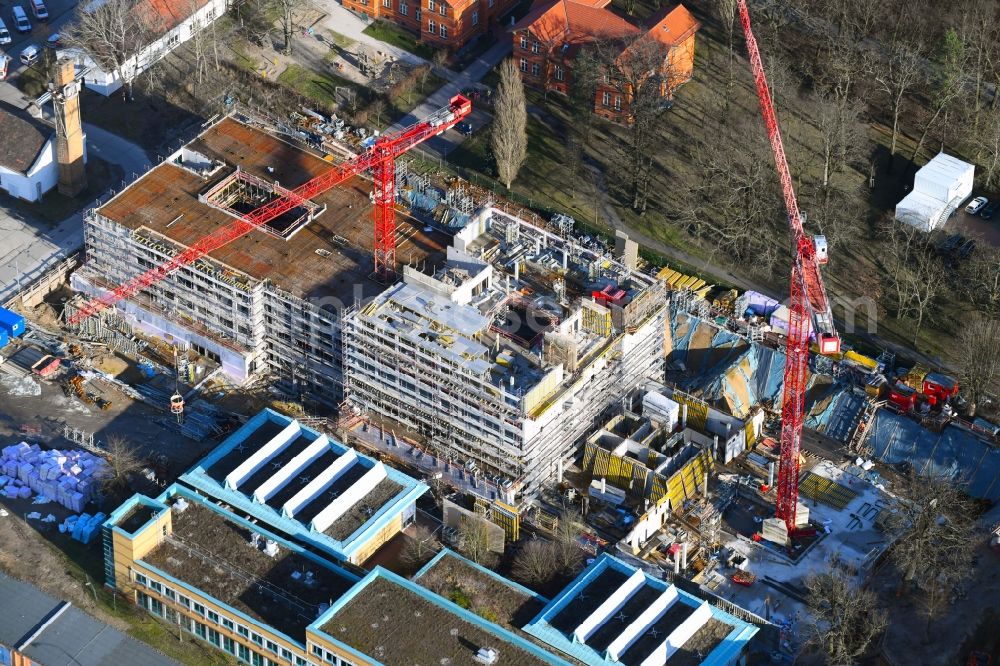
69	129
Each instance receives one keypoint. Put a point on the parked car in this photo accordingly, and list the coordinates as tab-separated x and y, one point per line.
30	55
38	10
976	205
966	249
20	17
4	33
4	64
989	209
464	128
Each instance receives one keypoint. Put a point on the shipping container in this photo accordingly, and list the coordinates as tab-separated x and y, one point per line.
11	322
4	338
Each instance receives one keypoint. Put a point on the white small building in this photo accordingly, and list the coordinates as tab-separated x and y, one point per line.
28	167
175	22
939	188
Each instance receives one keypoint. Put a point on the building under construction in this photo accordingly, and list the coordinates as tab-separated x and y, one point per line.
268	303
502	345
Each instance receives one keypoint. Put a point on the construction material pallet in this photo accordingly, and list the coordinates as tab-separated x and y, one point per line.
825	490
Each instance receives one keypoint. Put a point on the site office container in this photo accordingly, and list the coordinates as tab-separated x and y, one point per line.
4	338
11	322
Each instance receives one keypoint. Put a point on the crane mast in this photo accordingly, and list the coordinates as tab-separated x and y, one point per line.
808	309
380	158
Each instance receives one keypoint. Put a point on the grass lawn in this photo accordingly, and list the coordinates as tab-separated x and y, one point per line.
400	37
320	87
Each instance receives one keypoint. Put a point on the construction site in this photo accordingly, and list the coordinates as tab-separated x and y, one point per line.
721	447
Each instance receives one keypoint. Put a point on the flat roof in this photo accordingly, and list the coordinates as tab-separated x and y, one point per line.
212	551
396	621
614	613
56	633
304	484
166	201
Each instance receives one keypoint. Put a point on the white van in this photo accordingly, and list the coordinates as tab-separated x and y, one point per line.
21	22
4	34
39	11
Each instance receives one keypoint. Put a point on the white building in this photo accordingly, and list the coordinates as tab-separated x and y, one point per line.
28	166
939	188
174	20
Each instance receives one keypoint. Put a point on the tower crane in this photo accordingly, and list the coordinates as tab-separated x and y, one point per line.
380	158
809	308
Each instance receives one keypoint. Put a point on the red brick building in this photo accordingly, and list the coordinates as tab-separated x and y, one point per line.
549	37
447	24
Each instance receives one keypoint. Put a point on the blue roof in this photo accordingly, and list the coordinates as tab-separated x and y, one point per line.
726	652
955	452
199	477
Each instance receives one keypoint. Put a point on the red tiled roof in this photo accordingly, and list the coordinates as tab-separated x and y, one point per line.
162	16
672	26
572	22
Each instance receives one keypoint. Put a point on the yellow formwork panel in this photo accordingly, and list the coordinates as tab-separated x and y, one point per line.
683	484
697	413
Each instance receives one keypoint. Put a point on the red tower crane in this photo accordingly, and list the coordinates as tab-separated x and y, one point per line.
380	158
809	308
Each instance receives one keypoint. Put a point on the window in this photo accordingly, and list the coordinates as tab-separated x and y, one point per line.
229	645
200	630
272	646
489	3
607	99
170	594
431	27
535	69
444	30
243	652
243	631
475	18
199	609
286	654
524	42
560	73
443	9
139	578
535	47
416	14
404	9
213	616
228	624
430	5
256	659
214	637
156	586
387	4
184	601
299	661
618	102
257	638
524	65
317	651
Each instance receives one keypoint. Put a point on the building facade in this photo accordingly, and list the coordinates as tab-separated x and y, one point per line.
29	164
495	359
549	38
443	24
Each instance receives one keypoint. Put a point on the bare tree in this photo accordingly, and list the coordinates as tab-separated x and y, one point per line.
895	74
949	81
988	142
536	563
979	365
123	461
933	523
421	545
914	271
568	555
725	10
112	35
510	124
287	9
474	537
639	72
844	619
377	109
981	278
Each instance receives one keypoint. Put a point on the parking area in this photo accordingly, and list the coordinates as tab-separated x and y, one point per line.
60	12
975	227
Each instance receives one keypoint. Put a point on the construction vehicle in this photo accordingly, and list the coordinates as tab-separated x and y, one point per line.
380	158
809	307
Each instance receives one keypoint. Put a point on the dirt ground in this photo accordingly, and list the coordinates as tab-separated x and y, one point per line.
962	628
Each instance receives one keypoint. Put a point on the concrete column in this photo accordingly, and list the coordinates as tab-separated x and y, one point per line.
770	474
684	415
684	555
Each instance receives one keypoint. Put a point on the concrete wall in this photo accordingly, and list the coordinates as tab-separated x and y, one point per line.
40	178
